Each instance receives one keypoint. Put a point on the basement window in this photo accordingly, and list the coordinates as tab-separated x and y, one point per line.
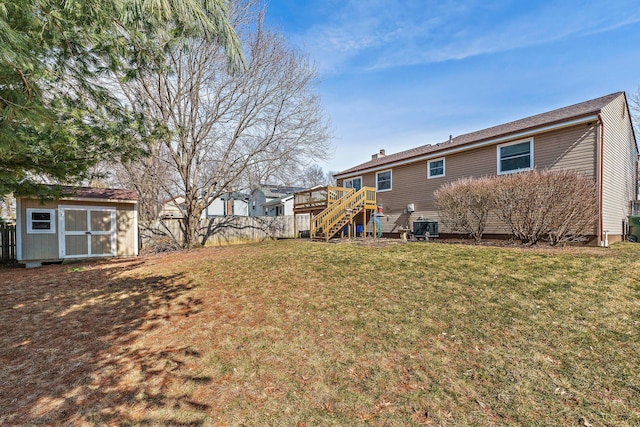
41	221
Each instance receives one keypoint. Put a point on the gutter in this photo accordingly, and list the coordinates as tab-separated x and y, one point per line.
496	140
96	199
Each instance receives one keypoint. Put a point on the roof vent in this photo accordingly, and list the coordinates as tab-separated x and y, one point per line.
450	139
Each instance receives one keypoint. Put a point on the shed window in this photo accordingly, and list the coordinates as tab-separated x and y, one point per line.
435	168
515	157
41	221
383	181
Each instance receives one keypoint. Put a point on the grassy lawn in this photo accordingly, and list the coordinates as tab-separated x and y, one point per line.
310	334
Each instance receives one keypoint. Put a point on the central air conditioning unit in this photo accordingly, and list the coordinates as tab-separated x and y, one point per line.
425	229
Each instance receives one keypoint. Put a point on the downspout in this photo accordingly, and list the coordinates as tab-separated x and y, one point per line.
600	201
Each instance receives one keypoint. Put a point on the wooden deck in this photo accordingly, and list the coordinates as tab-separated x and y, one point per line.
315	200
333	209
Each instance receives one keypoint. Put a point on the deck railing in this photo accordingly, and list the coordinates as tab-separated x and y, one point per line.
319	198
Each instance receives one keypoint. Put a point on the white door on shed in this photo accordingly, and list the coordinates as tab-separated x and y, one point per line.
87	231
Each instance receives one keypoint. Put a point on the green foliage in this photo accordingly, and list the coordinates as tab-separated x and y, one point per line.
57	116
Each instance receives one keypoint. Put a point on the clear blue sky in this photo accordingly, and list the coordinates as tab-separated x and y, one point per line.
398	74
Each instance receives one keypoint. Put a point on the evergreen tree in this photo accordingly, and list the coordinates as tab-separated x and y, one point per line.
57	117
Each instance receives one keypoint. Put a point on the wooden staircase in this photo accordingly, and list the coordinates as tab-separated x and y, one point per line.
343	212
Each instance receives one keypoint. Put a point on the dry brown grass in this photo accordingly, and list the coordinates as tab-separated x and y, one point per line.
297	333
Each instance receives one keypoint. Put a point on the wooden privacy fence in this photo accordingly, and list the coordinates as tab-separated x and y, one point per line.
228	230
7	243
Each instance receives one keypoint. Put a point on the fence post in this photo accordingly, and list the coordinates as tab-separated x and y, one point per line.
7	243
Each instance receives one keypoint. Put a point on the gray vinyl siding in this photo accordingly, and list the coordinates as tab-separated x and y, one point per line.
568	148
619	165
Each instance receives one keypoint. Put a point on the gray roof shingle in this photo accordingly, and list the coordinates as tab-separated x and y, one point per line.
545	119
99	193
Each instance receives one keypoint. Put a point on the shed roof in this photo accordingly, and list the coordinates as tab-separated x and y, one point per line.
99	193
117	195
557	116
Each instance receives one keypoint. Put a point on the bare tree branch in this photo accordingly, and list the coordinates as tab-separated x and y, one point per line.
225	131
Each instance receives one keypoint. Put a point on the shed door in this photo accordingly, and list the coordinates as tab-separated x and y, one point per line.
87	232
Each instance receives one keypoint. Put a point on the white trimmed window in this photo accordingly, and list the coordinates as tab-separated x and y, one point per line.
355	183
41	221
435	168
515	156
383	181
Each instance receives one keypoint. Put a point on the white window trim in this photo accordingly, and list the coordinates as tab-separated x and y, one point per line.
344	181
52	221
444	168
499	171
390	180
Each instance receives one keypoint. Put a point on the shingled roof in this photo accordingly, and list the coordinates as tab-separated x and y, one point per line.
71	192
553	117
99	193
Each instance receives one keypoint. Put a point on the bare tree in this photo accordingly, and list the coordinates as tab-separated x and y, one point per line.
634	106
330	178
313	175
225	130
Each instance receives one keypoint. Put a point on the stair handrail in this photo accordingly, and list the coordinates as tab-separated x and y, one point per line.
334	197
338	211
341	211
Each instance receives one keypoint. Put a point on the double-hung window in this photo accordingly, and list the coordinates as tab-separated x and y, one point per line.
515	156
435	168
41	221
383	181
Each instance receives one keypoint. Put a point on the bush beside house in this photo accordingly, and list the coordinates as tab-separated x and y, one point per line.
553	206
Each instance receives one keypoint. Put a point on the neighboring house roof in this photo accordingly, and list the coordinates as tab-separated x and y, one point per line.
274	191
235	195
549	118
278	201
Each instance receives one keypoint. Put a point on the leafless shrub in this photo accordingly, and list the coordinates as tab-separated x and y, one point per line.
464	205
546	205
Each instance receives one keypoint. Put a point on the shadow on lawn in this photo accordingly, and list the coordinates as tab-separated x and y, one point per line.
68	350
